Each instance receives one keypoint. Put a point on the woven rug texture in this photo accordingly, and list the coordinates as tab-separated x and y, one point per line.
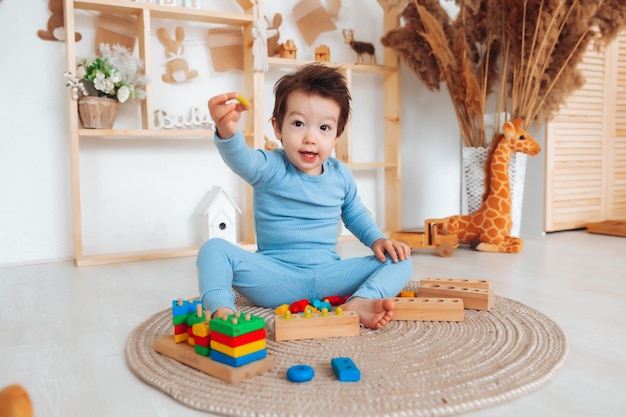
408	368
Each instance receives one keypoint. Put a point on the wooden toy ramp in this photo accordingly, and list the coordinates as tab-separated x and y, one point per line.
608	227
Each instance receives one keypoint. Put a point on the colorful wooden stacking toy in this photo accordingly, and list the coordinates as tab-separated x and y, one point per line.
181	311
235	350
238	339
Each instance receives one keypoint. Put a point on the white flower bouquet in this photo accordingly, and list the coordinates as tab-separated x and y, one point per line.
116	73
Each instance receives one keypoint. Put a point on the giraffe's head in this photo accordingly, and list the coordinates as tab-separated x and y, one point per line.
519	140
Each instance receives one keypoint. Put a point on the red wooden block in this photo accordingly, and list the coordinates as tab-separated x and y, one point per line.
298	306
180	328
202	341
236	341
336	300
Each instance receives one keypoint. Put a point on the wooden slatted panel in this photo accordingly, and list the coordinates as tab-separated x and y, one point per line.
617	175
575	150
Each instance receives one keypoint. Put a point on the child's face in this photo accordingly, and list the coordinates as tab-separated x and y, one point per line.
308	131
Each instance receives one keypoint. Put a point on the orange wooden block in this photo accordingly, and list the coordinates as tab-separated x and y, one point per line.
428	309
318	325
186	354
473	298
470	283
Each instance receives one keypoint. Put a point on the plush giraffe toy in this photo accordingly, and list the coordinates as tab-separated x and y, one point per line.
488	228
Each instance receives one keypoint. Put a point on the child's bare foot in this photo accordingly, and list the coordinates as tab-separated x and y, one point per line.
222	312
373	314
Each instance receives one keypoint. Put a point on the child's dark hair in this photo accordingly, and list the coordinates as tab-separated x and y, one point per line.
317	79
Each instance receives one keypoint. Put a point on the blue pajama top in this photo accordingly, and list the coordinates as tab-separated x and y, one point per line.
297	215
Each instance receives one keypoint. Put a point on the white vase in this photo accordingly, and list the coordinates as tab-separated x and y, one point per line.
474	182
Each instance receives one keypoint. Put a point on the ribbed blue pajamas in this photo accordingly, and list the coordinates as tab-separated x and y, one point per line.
297	220
268	282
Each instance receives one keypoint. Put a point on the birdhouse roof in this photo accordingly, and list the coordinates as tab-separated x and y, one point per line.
213	195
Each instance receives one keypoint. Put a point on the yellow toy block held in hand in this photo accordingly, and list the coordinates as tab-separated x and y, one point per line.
243	100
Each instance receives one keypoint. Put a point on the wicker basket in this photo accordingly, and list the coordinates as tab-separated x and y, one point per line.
97	112
474	159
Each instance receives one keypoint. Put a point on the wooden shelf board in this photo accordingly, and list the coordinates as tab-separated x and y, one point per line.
370	165
364	68
147	133
165	12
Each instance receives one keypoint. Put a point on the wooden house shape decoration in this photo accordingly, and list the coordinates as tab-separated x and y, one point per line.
288	49
322	53
220	213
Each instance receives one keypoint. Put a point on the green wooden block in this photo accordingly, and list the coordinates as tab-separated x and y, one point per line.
202	350
182	319
245	323
194	319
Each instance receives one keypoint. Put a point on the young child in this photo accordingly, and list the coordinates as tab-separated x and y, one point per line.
300	195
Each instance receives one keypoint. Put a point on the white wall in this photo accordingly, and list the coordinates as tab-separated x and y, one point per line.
142	194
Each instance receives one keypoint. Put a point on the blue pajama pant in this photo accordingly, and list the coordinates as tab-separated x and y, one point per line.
268	282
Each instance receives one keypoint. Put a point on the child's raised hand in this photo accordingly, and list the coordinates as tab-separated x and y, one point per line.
226	111
398	251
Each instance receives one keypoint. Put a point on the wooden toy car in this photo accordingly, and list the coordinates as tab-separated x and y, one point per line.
435	235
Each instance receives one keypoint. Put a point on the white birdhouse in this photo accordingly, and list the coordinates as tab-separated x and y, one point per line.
220	213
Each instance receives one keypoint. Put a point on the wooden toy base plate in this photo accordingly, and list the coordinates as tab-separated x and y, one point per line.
185	353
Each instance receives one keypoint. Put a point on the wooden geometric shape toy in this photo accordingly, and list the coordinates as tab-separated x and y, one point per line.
236	324
239	361
428	309
238	340
310	325
238	351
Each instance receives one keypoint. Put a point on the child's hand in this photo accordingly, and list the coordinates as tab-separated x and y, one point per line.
398	251
226	111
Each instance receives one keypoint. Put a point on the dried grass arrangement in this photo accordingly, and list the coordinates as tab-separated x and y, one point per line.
523	52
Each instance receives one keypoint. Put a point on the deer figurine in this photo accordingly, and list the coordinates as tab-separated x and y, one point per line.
361	48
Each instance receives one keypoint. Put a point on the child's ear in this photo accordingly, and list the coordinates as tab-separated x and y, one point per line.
276	129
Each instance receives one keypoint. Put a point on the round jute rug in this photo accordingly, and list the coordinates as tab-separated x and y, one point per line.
407	368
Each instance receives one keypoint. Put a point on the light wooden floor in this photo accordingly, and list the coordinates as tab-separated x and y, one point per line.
64	328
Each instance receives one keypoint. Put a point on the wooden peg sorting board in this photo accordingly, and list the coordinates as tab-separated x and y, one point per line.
298	326
473	298
459	282
428	309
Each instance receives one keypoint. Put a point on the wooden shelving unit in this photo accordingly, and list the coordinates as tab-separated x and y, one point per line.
254	126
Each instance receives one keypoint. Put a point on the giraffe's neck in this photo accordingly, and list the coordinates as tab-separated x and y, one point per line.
499	182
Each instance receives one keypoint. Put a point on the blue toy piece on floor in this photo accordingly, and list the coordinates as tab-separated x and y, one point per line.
346	370
300	373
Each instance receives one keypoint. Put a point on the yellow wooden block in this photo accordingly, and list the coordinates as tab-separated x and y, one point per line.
297	326
201	329
180	337
235	352
459	282
280	310
428	309
185	354
473	298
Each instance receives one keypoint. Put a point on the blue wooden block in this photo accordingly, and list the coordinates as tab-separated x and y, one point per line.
187	307
300	373
345	370
237	362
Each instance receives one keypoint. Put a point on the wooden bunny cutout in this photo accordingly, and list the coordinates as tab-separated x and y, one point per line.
177	69
272	41
56	24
